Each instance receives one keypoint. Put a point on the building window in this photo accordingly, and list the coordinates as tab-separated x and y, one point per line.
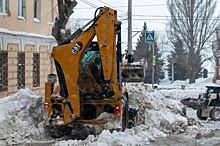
21	70
21	9
36	70
37	10
3	71
3	7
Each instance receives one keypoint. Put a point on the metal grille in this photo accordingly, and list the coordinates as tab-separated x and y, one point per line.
3	70
21	70
36	69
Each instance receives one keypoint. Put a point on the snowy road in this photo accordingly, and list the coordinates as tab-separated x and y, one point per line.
164	123
174	140
180	140
210	138
41	143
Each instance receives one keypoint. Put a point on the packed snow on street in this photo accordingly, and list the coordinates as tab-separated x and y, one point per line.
162	119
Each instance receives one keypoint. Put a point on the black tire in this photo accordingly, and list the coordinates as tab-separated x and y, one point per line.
131	123
199	115
56	132
215	114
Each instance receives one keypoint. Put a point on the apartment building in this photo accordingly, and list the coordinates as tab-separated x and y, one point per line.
25	44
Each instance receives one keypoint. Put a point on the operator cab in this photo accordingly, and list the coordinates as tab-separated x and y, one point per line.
91	78
211	97
212	89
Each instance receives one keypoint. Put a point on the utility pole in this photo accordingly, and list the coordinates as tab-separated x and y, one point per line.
217	57
145	54
153	64
129	28
150	38
172	70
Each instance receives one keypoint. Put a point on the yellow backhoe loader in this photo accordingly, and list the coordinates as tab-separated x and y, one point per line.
89	75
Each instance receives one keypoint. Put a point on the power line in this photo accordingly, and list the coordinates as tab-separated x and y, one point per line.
88	19
123	6
165	16
124	31
142	19
89	3
162	17
94	6
139	15
154	5
127	6
111	6
151	20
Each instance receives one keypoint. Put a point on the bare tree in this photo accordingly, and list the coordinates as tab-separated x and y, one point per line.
193	22
65	8
76	24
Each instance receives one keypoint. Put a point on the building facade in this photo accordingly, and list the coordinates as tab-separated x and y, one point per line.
25	44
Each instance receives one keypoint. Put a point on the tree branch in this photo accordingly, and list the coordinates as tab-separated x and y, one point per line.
65	8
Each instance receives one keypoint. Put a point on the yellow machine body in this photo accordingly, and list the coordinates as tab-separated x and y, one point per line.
69	58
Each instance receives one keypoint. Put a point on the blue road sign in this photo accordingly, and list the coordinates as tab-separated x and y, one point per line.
150	36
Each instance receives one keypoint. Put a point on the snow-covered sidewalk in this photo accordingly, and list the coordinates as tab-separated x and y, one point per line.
21	118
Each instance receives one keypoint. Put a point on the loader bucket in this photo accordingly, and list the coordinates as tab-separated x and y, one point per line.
133	73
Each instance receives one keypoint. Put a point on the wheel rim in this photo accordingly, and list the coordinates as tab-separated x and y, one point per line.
217	114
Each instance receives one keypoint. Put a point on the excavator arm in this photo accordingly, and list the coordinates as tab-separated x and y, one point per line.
68	58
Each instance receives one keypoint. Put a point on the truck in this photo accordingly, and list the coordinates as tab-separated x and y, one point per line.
133	72
89	76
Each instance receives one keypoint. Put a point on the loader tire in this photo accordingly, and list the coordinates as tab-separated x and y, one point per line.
215	114
199	115
132	123
56	132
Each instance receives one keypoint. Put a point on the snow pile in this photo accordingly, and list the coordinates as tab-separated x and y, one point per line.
176	94
21	118
19	33
199	132
158	117
165	114
140	135
178	84
175	90
111	123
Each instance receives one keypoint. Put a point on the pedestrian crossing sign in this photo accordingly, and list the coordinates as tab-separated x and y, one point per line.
150	36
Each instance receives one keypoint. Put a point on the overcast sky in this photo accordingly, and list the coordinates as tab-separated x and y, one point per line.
153	12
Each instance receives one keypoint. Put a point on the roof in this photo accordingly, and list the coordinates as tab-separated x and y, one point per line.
213	86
